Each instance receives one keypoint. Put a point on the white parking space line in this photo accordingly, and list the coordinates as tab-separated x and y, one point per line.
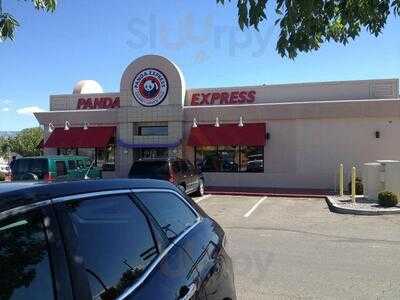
254	207
202	198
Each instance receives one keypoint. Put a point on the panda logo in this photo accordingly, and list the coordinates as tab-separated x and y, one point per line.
150	87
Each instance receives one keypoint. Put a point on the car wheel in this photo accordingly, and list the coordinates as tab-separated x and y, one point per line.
200	189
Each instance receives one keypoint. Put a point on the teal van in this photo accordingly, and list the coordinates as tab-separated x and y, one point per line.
50	168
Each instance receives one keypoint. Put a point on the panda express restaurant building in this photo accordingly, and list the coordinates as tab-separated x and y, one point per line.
291	135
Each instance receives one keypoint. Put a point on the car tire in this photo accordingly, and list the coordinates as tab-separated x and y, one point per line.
200	189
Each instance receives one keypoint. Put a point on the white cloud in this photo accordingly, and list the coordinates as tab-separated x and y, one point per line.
29	110
5	109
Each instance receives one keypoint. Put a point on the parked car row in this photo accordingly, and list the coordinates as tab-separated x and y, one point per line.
180	172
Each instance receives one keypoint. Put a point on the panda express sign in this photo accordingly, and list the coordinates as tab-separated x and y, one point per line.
150	87
223	98
98	103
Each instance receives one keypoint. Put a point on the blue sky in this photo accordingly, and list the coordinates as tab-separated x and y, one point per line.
83	40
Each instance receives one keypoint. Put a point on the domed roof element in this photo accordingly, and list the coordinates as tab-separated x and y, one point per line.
88	87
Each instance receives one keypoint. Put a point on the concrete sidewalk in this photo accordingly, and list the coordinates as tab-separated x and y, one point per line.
344	205
278	192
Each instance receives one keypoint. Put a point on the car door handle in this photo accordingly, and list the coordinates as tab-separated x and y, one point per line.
186	293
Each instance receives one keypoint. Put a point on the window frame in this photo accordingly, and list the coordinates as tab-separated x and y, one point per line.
239	149
140	130
162	231
80	281
73	241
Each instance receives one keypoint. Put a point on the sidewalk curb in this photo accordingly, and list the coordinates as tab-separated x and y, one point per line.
335	207
259	194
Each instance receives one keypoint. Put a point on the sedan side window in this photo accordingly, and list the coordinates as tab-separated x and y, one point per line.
72	164
79	163
61	168
170	211
115	242
24	260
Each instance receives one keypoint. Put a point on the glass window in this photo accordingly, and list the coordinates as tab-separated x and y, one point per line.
173	215
115	241
88	152
176	167
149	169
183	166
252	159
37	166
61	168
71	164
88	163
24	260
207	159
66	151
105	157
153	153
192	169
152	130
230	159
80	164
101	156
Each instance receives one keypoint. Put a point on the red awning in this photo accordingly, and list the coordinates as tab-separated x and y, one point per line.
228	135
93	137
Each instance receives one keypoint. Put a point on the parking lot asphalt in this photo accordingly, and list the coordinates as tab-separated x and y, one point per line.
295	248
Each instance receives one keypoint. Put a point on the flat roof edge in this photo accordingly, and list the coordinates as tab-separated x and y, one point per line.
313	83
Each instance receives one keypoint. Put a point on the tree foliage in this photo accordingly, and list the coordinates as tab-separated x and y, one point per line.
25	143
8	23
306	24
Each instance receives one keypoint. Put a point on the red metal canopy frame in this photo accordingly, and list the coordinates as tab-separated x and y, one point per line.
253	134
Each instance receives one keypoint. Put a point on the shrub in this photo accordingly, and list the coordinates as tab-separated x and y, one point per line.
359	187
387	199
2	177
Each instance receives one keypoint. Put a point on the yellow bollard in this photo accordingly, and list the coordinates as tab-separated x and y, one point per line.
353	184
341	185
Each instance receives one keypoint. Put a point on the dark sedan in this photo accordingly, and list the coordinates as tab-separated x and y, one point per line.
109	239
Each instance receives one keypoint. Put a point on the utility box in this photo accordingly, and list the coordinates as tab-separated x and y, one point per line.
392	177
382	175
372	177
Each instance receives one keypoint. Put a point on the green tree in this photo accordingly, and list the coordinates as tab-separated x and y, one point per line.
9	23
4	147
26	143
306	24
